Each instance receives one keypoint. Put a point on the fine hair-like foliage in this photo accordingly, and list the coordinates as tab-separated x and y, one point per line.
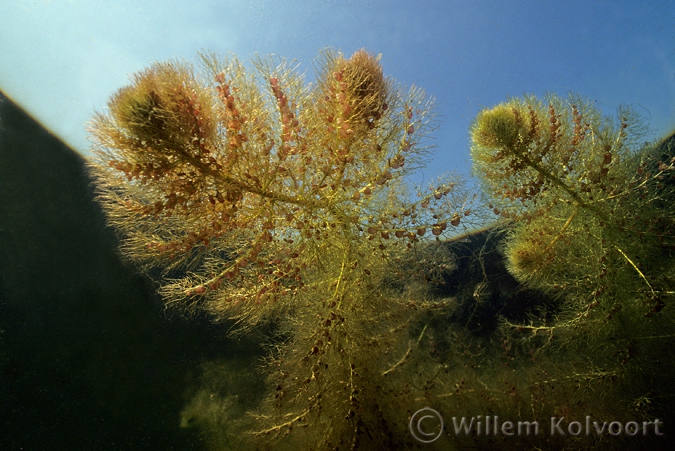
584	191
590	221
253	179
261	198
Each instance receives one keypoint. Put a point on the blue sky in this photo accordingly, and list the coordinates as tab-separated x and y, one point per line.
62	59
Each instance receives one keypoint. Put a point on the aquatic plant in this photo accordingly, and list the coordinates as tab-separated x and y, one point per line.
588	212
586	195
590	205
264	199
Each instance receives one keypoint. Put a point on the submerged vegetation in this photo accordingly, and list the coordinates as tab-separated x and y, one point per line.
282	207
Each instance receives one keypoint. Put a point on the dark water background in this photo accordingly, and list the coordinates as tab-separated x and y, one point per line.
88	357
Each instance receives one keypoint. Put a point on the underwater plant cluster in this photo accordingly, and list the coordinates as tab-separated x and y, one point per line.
282	209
